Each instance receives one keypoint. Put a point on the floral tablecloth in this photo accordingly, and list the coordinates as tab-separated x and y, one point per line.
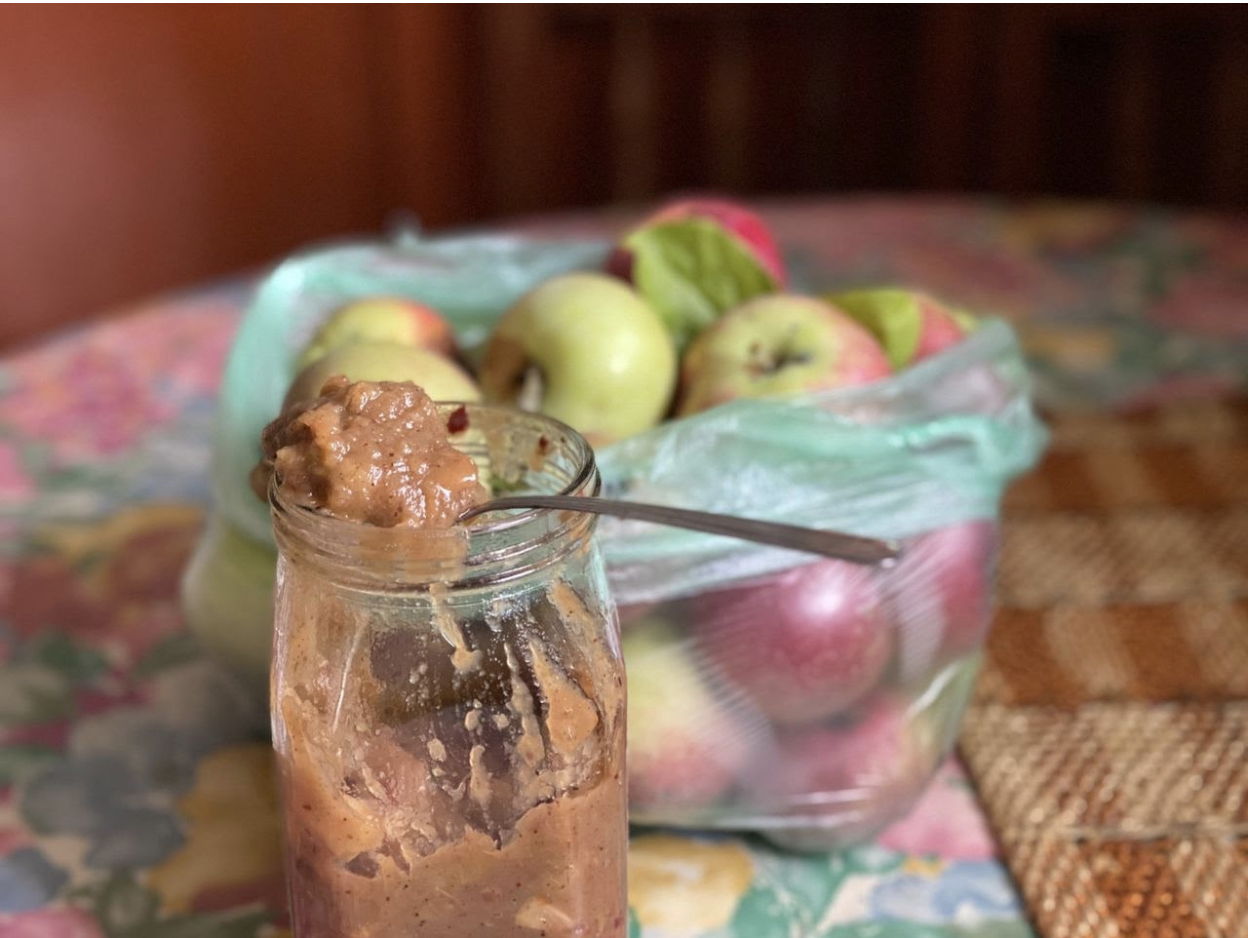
135	790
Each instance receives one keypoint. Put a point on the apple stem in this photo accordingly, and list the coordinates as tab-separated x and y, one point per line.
786	358
532	390
768	363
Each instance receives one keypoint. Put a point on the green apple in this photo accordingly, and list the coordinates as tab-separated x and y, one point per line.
583	348
778	345
381	319
684	746
442	379
227	598
911	326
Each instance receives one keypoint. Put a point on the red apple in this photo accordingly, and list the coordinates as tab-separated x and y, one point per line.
685	745
940	593
804	644
391	319
777	345
841	785
910	326
740	222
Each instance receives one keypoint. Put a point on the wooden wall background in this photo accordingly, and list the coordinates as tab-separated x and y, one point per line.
147	148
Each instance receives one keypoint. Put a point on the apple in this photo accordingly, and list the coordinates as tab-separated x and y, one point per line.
381	319
776	345
639	613
227	598
743	225
803	644
441	378
675	612
685	746
840	785
694	260
940	594
910	325
583	348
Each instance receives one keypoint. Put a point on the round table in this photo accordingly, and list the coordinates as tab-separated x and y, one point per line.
135	789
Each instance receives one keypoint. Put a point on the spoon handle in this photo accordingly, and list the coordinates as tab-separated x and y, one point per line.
810	540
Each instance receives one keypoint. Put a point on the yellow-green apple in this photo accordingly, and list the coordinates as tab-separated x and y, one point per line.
586	349
694	259
685	747
777	345
909	325
442	379
227	598
381	319
803	644
940	594
641	613
841	784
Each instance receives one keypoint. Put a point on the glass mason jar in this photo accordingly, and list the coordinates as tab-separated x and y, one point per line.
448	711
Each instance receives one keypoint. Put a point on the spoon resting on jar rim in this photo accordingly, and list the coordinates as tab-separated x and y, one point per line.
833	544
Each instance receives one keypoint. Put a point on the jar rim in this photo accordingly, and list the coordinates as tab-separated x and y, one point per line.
488	540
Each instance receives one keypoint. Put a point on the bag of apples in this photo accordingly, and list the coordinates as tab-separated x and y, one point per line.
809	700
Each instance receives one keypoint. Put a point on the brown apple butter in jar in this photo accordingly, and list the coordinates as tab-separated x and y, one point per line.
447	700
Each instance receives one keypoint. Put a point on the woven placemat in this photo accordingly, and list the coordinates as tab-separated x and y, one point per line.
1109	734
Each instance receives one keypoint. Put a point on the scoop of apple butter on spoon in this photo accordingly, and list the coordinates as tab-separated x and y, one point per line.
833	544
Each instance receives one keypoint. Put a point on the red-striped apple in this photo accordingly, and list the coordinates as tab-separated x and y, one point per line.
695	259
842	784
911	326
778	345
940	594
743	225
804	644
381	319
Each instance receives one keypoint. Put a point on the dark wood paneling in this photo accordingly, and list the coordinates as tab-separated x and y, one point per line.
424	59
145	148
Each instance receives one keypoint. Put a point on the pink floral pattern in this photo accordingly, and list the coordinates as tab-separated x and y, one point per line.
50	922
1211	304
113	584
93	394
15	484
87	400
946	822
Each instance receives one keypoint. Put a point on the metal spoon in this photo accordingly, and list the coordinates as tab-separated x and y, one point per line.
826	543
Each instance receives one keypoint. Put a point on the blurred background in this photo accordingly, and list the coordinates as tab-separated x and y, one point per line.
144	149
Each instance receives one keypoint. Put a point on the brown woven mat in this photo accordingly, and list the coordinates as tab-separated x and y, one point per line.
1109	736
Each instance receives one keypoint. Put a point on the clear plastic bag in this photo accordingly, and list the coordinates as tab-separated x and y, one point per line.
810	701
